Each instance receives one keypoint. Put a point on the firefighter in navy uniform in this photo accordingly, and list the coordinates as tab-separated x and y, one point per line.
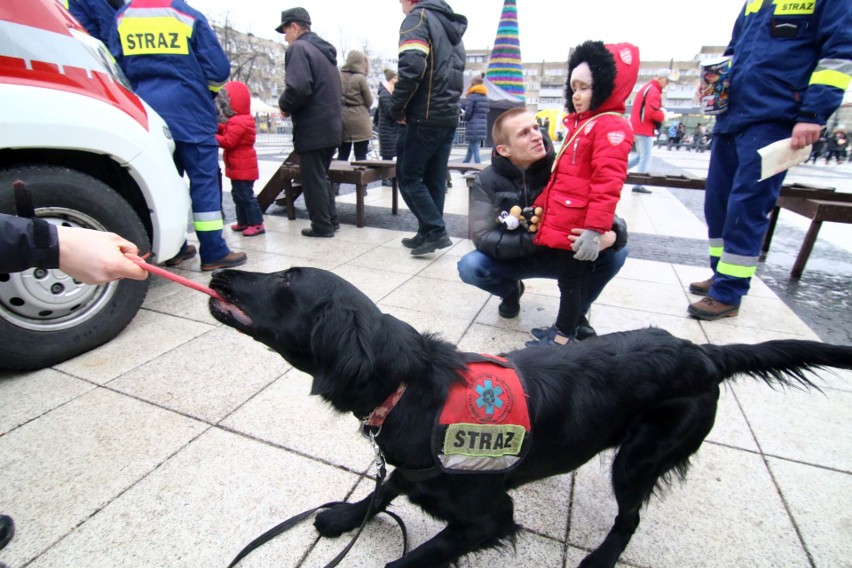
792	62
175	62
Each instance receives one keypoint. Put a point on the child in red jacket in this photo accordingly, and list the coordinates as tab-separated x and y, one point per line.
589	172
236	136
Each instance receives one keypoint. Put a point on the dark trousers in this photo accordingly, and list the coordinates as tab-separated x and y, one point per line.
500	276
573	283
316	187
360	150
421	171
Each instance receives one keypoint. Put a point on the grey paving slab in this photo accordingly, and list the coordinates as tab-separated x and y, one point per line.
207	377
809	427
27	396
204	504
286	415
63	468
727	514
148	336
818	500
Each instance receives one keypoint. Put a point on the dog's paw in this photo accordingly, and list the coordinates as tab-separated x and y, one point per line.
337	520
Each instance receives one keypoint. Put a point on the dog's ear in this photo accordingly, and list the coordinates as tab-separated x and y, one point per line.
342	350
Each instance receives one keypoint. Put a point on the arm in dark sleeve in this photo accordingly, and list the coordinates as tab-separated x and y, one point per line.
487	233
25	243
212	58
298	80
415	45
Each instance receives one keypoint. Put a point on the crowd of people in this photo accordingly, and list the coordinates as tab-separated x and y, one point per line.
417	109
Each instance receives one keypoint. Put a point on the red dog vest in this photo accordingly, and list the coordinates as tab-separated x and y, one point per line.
484	425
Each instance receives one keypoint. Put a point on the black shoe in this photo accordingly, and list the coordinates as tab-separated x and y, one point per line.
336	227
640	189
314	233
414	241
387	183
7	530
184	254
432	246
585	330
510	307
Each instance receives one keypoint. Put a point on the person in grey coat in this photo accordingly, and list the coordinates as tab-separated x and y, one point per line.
476	118
357	100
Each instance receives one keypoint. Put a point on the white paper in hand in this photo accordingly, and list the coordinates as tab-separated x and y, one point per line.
780	156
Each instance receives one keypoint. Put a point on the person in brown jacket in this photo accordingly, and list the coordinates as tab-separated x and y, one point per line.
357	100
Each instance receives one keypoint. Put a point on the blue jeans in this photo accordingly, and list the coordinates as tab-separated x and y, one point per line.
500	277
473	151
245	203
644	145
421	171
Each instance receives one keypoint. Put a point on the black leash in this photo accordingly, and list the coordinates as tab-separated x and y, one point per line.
295	520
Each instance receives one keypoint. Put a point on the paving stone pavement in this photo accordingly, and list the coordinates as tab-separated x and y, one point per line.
180	441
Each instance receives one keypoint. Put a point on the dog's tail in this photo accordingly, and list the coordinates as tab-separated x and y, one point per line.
781	362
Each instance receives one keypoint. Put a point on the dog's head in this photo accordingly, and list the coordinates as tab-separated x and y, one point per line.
322	325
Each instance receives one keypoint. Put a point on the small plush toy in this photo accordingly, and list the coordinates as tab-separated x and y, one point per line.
528	218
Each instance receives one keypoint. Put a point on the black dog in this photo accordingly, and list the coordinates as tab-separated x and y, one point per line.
646	393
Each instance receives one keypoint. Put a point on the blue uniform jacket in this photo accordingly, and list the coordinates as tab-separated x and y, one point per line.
792	62
175	62
97	16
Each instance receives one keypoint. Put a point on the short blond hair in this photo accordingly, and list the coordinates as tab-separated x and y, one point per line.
498	135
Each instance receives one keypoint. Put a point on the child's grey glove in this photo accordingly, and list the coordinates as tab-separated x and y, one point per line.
586	247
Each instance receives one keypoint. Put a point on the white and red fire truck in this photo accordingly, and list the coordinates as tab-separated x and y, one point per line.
94	155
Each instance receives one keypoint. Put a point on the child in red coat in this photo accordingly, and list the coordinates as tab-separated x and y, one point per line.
236	137
588	175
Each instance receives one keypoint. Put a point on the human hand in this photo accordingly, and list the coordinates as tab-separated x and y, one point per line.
586	246
607	239
804	133
96	257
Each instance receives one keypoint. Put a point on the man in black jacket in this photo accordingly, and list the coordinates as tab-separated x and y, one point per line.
312	98
426	100
519	171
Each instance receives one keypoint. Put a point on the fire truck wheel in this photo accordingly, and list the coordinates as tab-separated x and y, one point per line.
47	317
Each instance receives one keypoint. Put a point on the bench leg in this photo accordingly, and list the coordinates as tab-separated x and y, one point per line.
805	251
360	190
395	197
271	190
291	194
767	239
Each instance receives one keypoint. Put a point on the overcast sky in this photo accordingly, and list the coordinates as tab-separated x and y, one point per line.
663	29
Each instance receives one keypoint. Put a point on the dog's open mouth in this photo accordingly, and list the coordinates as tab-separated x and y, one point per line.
227	312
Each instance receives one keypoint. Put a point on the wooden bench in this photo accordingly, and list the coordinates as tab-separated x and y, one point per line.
837	209
819	203
286	179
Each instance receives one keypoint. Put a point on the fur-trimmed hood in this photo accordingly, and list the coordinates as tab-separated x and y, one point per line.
615	68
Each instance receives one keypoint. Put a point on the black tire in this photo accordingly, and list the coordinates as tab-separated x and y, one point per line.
45	316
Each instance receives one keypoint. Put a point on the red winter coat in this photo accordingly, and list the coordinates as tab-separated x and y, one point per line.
589	172
646	118
237	135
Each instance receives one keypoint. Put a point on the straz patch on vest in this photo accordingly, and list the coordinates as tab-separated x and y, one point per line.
484	425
